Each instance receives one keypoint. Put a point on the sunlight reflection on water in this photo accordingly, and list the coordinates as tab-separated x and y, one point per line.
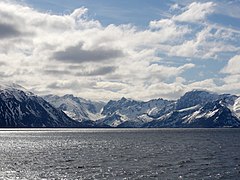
119	153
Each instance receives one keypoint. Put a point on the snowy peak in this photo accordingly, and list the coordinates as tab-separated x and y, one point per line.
119	105
13	87
77	108
197	108
196	97
14	92
201	109
214	114
19	108
132	113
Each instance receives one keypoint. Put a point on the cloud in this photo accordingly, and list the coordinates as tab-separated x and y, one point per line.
2	63
57	72
175	7
197	37
97	72
168	31
111	86
78	13
163	72
8	31
233	66
77	54
232	79
204	84
230	84
207	43
72	53
196	12
6	74
70	85
163	23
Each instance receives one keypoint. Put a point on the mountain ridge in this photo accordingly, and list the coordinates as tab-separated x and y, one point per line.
198	108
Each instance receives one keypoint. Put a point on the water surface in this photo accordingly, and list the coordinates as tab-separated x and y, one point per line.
120	153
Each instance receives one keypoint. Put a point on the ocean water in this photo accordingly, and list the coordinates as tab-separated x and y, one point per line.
120	154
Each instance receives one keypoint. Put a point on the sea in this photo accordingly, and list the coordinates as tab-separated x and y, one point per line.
119	154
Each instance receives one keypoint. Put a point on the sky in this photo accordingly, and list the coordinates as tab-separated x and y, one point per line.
102	50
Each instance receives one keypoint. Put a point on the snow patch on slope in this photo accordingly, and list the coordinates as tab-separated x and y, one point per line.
77	108
190	108
236	107
199	114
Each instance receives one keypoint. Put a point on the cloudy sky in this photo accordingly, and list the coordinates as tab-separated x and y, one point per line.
101	49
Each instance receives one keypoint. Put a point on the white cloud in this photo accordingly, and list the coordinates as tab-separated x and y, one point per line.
168	30
175	7
161	24
71	53
78	13
207	43
164	72
233	66
204	84
196	12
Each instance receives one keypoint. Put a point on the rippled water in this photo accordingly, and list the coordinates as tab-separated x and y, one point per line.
120	153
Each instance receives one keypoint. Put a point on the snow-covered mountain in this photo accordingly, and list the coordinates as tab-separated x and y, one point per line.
77	108
196	108
195	97
201	109
236	108
21	108
131	113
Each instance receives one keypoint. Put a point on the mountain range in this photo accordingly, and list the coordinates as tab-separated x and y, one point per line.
195	109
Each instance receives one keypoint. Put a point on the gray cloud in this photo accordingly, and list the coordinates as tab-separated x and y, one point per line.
81	71
98	72
54	86
2	63
56	72
7	30
9	17
76	54
70	85
6	75
73	85
75	66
